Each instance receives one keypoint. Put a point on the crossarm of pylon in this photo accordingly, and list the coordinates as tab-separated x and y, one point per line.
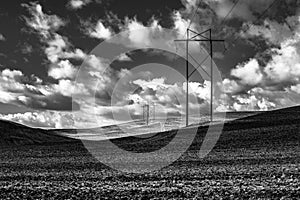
198	34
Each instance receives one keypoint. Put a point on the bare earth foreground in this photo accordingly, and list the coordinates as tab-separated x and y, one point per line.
255	157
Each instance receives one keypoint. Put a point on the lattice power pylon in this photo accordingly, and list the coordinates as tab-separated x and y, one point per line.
199	37
148	113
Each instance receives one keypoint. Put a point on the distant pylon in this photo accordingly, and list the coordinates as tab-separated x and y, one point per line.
148	112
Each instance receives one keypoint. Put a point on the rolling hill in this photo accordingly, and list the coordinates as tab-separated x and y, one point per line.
269	129
282	124
12	133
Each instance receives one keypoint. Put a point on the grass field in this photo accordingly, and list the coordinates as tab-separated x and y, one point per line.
255	157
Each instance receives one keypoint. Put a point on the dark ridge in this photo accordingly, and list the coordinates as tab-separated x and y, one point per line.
12	133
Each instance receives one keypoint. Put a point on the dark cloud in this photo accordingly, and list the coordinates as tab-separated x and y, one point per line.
52	102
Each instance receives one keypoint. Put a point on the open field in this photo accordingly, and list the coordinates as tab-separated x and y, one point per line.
255	157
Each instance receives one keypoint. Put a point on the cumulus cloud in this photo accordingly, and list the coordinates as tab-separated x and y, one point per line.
69	88
275	84
285	65
77	54
64	69
248	89
11	73
43	119
56	47
140	35
6	97
42	22
18	89
295	88
249	73
230	86
100	31
78	4
124	57
10	84
171	97
2	38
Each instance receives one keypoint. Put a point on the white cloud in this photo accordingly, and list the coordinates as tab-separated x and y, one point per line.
55	48
252	101
295	88
59	48
11	73
230	86
248	73
34	94
154	84
64	69
142	36
77	54
124	57
6	97
69	88
9	82
200	89
276	84
78	4
46	119
98	63
42	22
100	31
156	89
2	38
47	26
285	65
181	24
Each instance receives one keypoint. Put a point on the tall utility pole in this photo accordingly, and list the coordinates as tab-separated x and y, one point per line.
187	80
204	39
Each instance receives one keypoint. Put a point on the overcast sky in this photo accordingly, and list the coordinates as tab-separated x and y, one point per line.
43	44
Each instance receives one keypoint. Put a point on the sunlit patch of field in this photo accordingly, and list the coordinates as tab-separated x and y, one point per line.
138	127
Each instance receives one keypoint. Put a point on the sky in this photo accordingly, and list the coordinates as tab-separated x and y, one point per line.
57	68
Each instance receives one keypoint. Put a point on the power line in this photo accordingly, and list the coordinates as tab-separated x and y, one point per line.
224	19
249	26
234	5
193	16
226	49
192	19
195	12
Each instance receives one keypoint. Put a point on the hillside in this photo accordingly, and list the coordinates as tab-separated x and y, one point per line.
266	129
282	125
16	134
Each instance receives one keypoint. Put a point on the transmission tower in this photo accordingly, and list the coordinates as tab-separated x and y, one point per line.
148	112
204	38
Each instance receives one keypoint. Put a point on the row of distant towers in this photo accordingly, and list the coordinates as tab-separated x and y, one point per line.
148	112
